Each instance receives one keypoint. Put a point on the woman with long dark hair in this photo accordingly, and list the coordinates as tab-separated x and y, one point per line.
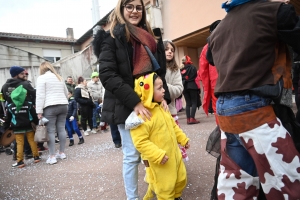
173	77
124	55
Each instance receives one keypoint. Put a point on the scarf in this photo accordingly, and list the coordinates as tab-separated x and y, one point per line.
140	40
228	5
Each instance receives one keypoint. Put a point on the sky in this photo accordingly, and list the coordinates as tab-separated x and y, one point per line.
50	17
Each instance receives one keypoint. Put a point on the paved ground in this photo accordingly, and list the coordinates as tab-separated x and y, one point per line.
94	170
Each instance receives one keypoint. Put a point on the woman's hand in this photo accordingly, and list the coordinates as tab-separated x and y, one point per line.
139	109
40	115
164	105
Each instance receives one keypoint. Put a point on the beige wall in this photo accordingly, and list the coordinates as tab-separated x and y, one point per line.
86	43
183	17
37	48
191	52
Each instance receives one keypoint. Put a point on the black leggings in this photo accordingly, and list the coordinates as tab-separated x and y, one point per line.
190	97
86	113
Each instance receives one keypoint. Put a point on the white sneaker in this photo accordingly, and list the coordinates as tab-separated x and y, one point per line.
89	130
86	133
51	160
61	156
94	131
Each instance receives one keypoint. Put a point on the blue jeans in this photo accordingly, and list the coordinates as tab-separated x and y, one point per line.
115	134
131	160
95	114
231	104
72	127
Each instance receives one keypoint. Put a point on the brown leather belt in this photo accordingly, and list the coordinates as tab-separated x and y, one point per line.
246	121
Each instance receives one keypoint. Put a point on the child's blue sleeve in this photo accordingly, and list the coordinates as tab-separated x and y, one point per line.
74	105
98	109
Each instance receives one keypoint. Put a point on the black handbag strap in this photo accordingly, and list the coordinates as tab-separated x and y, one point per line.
155	64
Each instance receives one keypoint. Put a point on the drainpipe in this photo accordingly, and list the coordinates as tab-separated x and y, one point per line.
72	48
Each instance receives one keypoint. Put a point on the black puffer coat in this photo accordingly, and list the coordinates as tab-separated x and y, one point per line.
13	83
115	72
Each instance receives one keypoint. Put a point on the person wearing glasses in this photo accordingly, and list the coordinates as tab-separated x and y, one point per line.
18	77
123	57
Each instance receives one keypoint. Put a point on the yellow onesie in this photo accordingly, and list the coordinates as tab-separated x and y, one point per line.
156	138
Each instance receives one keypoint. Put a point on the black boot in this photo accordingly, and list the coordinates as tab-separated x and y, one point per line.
81	141
71	143
14	156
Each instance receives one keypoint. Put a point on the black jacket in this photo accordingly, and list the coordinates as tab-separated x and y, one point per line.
115	72
21	121
82	100
296	68
13	83
189	74
70	87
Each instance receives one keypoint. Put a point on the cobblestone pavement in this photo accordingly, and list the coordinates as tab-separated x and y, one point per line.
94	170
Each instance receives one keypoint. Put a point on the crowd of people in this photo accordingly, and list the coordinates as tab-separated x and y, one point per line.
52	99
246	81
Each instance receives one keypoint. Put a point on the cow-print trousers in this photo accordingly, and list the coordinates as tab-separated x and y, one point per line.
276	160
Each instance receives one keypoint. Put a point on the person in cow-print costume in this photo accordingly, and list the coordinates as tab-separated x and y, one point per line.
249	50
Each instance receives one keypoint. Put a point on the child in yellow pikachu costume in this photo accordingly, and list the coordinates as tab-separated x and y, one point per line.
157	140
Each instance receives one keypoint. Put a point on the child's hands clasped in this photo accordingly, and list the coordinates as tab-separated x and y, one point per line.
164	160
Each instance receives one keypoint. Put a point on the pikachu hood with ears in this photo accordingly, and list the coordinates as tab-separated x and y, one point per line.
144	87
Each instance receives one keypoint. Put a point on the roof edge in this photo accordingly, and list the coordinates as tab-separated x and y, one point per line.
35	37
25	51
191	34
